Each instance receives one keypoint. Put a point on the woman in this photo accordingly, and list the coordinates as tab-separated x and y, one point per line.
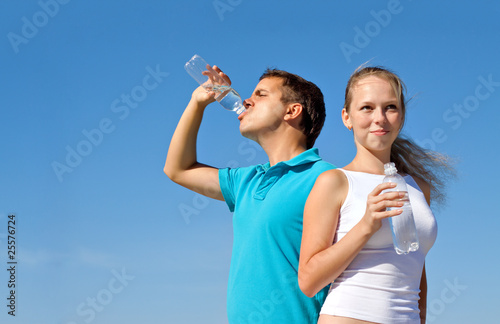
370	282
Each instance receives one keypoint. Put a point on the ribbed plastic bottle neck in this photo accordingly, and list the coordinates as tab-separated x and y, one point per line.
390	169
240	109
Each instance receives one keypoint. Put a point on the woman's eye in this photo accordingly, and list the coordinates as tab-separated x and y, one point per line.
392	107
366	108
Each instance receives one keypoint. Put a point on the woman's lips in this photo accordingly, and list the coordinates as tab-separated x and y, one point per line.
379	132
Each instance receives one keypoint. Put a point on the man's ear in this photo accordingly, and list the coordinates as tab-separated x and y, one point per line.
293	111
346	119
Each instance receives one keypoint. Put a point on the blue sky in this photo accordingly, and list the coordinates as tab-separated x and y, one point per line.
91	94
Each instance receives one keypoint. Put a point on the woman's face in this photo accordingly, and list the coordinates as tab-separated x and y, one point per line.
375	114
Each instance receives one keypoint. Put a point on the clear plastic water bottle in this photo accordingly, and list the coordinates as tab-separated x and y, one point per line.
404	232
209	79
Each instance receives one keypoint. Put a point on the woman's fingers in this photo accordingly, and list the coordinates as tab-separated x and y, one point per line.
381	187
383	204
389	213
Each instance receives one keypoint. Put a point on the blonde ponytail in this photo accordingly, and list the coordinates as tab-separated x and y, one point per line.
430	166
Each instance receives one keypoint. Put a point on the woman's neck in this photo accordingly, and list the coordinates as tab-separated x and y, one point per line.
369	162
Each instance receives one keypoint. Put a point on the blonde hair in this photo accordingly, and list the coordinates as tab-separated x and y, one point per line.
433	167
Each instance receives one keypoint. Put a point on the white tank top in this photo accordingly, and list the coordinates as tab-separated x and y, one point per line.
379	285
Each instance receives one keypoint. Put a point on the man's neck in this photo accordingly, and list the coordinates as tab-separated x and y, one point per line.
283	151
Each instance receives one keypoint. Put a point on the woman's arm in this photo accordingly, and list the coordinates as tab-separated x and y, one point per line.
422	303
320	262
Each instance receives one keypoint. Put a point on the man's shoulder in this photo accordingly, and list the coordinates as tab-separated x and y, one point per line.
310	171
317	161
243	169
326	164
241	172
322	165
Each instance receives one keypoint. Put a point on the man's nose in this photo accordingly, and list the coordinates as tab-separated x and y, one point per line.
247	103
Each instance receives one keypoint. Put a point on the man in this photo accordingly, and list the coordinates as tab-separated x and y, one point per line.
284	115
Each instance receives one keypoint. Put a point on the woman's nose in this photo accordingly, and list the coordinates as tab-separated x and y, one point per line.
379	116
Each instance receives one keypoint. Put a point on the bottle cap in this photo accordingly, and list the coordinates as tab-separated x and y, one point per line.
390	168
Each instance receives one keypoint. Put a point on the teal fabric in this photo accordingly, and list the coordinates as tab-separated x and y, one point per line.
268	204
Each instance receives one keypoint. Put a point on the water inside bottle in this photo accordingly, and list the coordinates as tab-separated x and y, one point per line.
227	97
217	88
231	101
405	230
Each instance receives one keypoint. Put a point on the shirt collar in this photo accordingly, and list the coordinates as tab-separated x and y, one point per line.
311	155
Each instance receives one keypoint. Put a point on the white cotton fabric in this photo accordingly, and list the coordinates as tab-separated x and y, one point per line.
379	285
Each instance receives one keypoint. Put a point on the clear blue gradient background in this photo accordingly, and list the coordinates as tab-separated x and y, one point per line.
116	212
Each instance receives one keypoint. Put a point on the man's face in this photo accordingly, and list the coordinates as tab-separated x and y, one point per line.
264	110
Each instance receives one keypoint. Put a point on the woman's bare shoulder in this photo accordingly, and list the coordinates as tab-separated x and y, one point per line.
332	178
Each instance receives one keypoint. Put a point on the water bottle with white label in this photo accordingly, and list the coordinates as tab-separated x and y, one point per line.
209	79
404	232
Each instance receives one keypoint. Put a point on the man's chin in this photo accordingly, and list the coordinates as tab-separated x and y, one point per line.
247	134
